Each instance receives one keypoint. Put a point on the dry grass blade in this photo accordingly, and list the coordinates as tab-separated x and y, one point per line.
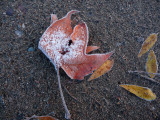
105	67
148	43
71	95
142	92
151	65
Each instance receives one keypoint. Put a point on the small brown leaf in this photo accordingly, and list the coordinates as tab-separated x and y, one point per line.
105	67
46	118
151	65
41	117
147	44
142	92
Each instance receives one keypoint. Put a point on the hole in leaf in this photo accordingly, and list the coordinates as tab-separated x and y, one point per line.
70	42
63	52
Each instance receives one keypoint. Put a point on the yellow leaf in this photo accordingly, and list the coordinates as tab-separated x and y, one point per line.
105	67
147	44
142	92
151	65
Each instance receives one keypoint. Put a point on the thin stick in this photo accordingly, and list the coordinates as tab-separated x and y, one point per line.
151	79
71	95
136	71
67	113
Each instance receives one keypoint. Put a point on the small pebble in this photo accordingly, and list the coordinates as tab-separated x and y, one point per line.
18	33
22	9
120	44
51	114
2	102
23	25
153	108
140	39
9	12
31	49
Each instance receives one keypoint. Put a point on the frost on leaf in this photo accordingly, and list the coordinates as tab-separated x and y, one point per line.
67	48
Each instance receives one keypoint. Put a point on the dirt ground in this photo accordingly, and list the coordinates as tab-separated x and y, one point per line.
28	81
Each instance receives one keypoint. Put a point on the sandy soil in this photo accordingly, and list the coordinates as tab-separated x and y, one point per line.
28	82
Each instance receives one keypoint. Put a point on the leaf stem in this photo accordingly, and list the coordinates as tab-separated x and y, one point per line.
136	71
67	113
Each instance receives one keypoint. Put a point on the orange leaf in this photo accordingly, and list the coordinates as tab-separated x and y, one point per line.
41	117
104	68
142	92
151	65
147	44
46	118
53	18
91	48
66	48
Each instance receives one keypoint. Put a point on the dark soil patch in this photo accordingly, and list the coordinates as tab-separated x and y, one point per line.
28	82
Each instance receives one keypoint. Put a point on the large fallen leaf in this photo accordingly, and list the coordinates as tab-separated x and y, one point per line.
142	92
151	65
147	44
105	67
41	118
66	47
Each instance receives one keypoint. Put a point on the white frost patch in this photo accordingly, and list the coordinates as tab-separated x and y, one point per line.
76	49
56	47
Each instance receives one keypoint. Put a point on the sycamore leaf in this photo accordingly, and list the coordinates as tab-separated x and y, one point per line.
142	92
66	47
41	118
147	44
151	65
105	67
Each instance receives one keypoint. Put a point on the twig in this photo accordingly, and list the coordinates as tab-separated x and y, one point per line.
151	79
136	71
67	113
71	95
95	100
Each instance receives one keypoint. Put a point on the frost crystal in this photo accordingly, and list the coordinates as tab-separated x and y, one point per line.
58	47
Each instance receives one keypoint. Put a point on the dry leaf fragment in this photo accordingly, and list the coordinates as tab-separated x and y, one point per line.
41	117
105	67
147	44
151	65
142	92
46	118
53	18
91	48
